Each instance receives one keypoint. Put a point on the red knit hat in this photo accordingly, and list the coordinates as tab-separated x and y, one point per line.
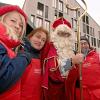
8	8
61	21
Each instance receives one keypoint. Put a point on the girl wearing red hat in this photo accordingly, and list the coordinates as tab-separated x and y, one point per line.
12	65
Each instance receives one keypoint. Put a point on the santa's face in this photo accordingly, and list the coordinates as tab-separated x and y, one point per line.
64	43
62	37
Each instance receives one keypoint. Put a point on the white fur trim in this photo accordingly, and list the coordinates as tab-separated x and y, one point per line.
63	28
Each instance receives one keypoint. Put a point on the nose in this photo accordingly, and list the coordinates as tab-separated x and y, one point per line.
83	46
40	40
17	26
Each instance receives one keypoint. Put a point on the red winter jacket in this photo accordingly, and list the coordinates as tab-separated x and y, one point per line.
31	81
91	77
10	71
14	91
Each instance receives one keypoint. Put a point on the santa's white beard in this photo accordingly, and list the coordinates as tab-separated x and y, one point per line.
64	46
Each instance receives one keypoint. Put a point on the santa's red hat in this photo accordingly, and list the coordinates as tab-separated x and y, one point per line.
61	21
62	25
8	8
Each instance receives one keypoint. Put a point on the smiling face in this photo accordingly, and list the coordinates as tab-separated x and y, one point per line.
84	46
38	40
13	20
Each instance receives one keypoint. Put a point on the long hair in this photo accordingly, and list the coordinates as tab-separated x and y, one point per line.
10	32
39	29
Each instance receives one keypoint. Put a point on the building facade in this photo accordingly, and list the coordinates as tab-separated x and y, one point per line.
44	12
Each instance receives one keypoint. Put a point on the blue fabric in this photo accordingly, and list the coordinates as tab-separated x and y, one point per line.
67	66
28	48
11	69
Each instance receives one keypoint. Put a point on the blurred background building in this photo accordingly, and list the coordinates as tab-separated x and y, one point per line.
44	12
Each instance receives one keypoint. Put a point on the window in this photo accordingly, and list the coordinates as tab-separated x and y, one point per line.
60	14
88	37
78	13
75	14
55	16
83	19
98	43
46	11
99	34
87	29
47	25
84	27
66	9
60	5
54	3
74	24
39	22
40	9
87	20
93	41
32	18
91	31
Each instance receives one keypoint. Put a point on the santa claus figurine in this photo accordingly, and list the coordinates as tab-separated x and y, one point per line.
60	73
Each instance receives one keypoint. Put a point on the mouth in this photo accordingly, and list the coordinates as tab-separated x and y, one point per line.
38	44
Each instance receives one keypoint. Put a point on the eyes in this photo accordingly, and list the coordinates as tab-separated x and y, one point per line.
14	21
64	34
40	37
84	43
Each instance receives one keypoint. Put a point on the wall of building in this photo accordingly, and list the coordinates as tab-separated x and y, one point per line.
44	12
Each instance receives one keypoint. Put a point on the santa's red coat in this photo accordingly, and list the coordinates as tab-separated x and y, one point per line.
54	86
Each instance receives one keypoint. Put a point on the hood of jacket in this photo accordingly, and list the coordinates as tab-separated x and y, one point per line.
5	38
